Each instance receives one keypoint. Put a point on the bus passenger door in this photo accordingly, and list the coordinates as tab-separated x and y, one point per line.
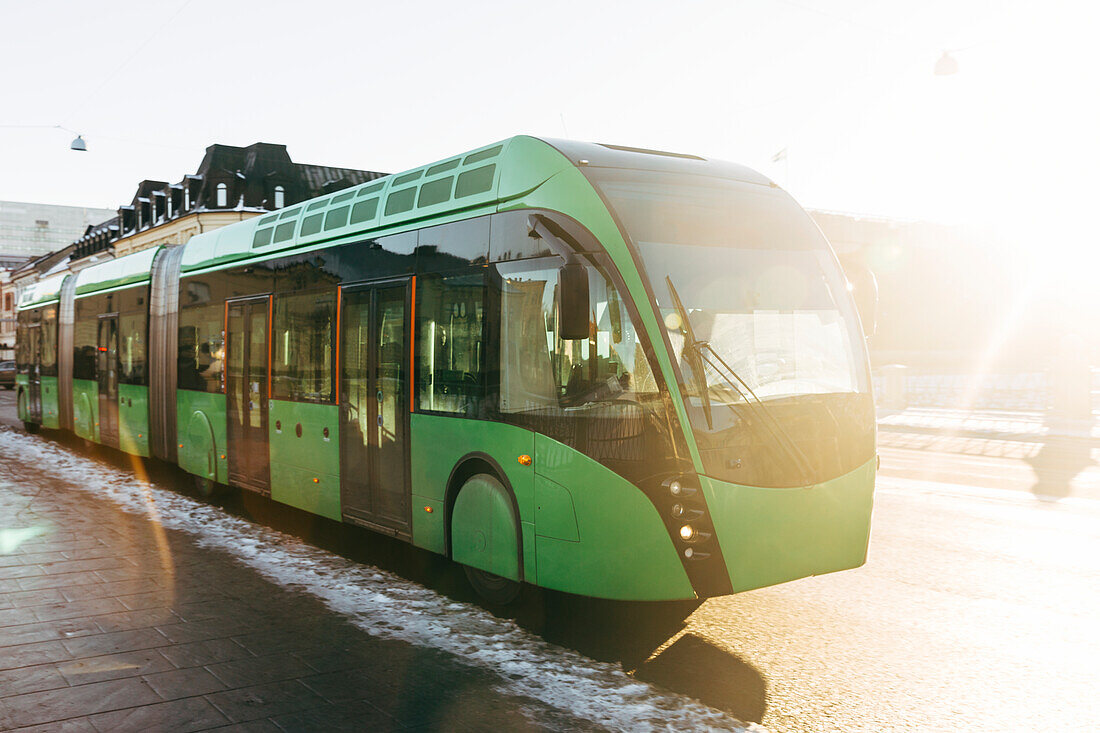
107	376
34	375
246	398
374	406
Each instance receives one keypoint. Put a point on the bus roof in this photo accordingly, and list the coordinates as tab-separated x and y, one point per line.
474	181
131	269
43	292
603	155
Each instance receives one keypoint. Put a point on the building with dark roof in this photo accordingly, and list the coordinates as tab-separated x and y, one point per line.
231	183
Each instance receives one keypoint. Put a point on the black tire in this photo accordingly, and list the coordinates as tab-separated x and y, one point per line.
9	386
30	427
205	488
493	589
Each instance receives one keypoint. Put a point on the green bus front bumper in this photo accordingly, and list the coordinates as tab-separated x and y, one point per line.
771	536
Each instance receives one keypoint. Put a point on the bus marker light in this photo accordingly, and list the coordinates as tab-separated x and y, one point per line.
524	460
428	509
689	552
676	488
316	480
223	456
687	533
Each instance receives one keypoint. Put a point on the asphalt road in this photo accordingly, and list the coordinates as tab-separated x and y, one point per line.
977	608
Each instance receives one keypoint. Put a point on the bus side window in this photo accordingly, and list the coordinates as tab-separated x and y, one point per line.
450	344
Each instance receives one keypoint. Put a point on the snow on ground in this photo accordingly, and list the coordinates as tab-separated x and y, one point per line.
385	605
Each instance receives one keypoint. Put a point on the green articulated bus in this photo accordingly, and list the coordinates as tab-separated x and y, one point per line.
609	371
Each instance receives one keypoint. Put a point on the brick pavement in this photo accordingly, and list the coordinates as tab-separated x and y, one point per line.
109	622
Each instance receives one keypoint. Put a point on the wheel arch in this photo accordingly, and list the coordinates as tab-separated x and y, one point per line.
468	466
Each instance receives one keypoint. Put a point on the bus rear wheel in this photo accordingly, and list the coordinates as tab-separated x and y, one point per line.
493	589
30	427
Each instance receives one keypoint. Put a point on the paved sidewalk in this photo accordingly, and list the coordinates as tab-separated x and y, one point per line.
1005	425
109	622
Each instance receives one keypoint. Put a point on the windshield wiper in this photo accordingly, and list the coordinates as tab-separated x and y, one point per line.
692	352
781	436
695	349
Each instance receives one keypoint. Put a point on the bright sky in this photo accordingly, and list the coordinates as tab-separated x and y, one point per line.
846	86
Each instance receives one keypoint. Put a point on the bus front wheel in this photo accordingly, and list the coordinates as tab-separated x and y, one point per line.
493	589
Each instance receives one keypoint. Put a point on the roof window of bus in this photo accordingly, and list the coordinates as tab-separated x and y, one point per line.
372	189
262	237
291	212
364	210
400	201
482	155
285	231
407	178
311	225
317	205
443	167
343	197
268	219
336	218
435	192
479	180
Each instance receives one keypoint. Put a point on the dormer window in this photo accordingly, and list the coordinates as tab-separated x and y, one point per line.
280	197
223	195
186	196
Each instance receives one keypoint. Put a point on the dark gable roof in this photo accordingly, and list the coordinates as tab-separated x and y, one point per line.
145	189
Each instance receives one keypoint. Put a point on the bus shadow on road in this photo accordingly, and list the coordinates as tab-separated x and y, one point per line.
693	666
634	635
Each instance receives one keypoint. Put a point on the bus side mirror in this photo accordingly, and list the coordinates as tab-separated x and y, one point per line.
573	305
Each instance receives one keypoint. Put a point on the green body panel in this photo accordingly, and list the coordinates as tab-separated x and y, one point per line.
555	515
129	270
86	409
22	383
438	443
770	536
484	533
296	462
200	433
133	419
51	412
624	551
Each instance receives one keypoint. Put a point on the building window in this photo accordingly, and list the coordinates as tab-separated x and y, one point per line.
280	197
223	195
187	196
8	303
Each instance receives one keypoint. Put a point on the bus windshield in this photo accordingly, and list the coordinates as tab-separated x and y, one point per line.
776	332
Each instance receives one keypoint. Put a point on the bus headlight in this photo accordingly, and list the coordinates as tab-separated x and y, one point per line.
687	533
676	488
